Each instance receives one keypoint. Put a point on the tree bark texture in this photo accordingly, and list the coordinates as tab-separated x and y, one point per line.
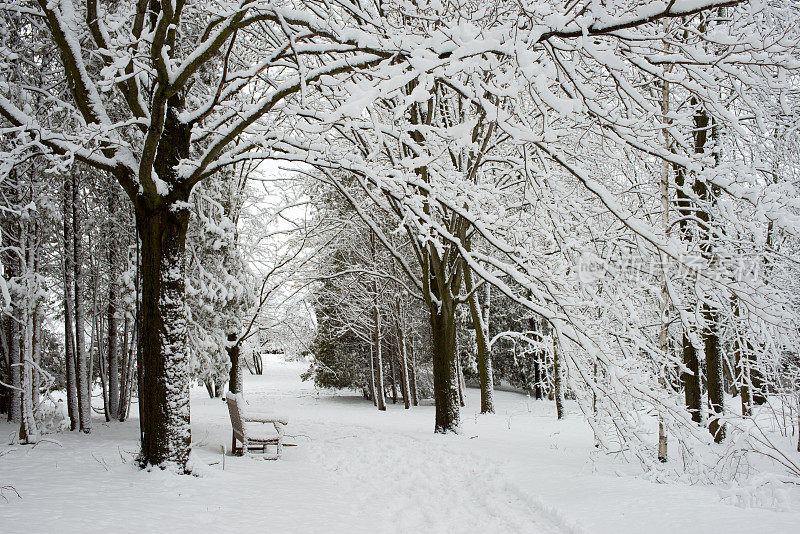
235	377
83	381
372	389
28	431
691	380
716	392
412	378
480	319
15	408
558	380
445	378
112	345
401	344
393	376
163	364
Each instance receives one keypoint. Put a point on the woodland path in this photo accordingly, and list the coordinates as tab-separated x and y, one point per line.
354	470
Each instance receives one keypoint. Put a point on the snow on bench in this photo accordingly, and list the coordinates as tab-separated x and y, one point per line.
254	437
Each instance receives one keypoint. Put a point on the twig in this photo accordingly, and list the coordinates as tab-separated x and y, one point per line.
47	440
8	487
100	461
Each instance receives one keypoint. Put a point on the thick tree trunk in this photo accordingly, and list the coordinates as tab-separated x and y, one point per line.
691	380
236	376
83	381
445	377
163	363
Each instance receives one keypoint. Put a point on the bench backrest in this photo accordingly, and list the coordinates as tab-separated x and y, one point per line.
235	409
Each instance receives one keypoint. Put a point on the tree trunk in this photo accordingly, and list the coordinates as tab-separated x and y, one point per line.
539	356
96	345
558	386
716	391
462	386
69	347
210	387
412	368
480	319
372	390
28	432
36	338
15	407
163	363
445	378
757	383
219	386
83	381
112	346
393	376
5	393
126	378
691	380
37	354
401	338
379	391
711	341
236	376
742	367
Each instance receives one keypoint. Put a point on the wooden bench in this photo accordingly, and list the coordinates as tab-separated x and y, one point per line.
254	437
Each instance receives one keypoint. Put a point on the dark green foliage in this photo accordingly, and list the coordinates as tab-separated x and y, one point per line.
338	361
52	360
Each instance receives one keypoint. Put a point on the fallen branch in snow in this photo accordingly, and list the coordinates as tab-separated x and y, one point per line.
297	436
47	440
4	489
101	461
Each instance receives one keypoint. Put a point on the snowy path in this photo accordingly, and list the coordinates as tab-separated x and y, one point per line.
358	470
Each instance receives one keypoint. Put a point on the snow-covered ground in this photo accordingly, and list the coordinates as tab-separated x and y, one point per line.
358	470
